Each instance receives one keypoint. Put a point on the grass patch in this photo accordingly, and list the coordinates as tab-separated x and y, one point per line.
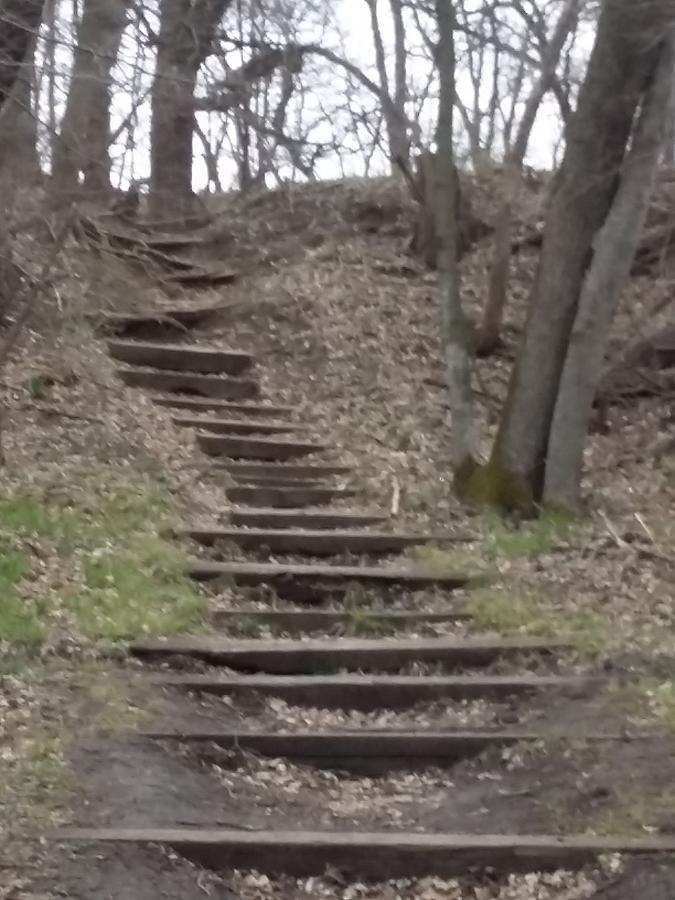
19	624
98	530
653	698
245	627
511	612
525	540
442	562
502	540
139	592
365	623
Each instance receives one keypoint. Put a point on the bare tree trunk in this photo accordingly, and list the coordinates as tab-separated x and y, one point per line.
455	325
83	143
185	38
18	126
621	65
19	23
51	13
400	147
394	110
489	333
614	251
669	141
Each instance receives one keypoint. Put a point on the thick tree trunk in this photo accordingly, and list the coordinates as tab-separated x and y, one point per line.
621	64
18	126
185	38
19	23
455	325
489	333
82	147
614	250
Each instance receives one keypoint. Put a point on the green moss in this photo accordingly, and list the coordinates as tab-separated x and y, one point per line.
490	485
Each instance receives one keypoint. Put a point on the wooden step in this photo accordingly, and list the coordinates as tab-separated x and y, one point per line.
205	404
272	482
361	752
271	573
306	657
256	448
314	543
190	383
234	426
180	357
175	318
252	517
200	277
298	622
368	692
379	856
285	496
310	471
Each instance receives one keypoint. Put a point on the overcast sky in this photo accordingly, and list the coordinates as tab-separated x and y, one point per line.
353	18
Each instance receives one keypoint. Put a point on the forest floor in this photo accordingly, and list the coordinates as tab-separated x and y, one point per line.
345	328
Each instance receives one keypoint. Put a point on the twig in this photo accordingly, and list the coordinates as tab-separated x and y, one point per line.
223	823
54	411
644	553
643	525
618	540
395	497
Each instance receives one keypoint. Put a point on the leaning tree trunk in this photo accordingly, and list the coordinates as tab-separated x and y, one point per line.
490	329
614	250
185	37
621	64
19	23
82	146
455	325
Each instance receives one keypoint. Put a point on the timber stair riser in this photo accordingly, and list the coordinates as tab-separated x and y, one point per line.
222	407
234	426
367	692
313	543
362	753
255	448
309	657
379	856
308	471
268	481
205	385
271	573
174	319
303	622
261	517
285	497
180	357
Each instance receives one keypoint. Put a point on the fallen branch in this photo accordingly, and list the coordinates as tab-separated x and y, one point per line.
61	413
